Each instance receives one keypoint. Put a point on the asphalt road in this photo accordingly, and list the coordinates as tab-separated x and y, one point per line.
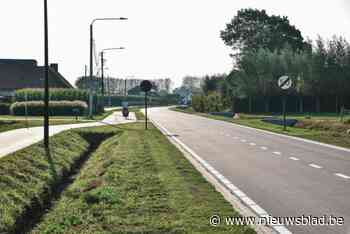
285	176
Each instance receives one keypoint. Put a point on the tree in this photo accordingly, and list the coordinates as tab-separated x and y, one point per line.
253	29
212	83
192	83
84	82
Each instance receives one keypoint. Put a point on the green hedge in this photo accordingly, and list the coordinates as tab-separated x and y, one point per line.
211	103
23	95
5	108
57	108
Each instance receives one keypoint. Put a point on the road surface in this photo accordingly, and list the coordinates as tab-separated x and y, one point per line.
14	140
285	176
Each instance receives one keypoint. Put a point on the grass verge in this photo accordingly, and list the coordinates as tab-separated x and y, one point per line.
138	182
317	134
7	125
31	177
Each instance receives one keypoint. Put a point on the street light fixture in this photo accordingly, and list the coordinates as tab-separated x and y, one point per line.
102	65
91	47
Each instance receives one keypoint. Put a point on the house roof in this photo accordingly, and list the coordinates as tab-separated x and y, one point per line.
18	74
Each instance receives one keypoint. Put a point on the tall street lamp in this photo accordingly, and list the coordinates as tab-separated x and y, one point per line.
102	65
91	47
46	96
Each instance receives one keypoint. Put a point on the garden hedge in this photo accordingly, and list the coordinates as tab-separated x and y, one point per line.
4	108
23	95
56	108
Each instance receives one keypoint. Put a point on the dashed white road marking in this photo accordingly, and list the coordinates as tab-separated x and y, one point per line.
252	144
294	158
342	175
263	147
277	153
224	181
243	140
315	166
227	135
235	138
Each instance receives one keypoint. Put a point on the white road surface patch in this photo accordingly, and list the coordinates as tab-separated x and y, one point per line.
263	148
315	166
252	144
342	175
277	153
294	158
235	138
244	140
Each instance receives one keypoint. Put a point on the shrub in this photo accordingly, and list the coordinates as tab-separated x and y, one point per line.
199	103
215	103
56	108
23	95
4	108
211	103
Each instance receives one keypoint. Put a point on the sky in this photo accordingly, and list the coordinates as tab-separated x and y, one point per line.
163	38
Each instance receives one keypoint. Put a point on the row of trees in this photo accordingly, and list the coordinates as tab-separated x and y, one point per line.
267	47
323	71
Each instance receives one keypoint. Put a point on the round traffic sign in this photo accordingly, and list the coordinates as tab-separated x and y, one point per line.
146	86
285	82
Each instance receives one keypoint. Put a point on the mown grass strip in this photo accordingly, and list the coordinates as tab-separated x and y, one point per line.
7	125
32	177
138	182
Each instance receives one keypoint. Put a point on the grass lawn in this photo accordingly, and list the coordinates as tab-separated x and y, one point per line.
6	125
139	115
30	178
138	182
9	122
323	133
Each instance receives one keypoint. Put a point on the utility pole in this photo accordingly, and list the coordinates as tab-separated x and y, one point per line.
102	76
46	96
91	51
91	69
125	87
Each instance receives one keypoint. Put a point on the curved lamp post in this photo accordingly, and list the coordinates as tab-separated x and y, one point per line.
102	65
91	47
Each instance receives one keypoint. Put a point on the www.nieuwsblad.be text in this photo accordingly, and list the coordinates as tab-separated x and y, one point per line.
303	220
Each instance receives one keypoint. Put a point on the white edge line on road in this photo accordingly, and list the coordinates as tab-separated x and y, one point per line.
292	137
223	181
342	175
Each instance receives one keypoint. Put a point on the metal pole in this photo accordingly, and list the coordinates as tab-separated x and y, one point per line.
91	66
46	101
146	111
26	108
102	76
102	81
284	113
125	87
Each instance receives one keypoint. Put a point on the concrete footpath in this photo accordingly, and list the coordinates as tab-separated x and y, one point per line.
14	140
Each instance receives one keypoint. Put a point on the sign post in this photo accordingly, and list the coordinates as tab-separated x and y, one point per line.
146	86
284	82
